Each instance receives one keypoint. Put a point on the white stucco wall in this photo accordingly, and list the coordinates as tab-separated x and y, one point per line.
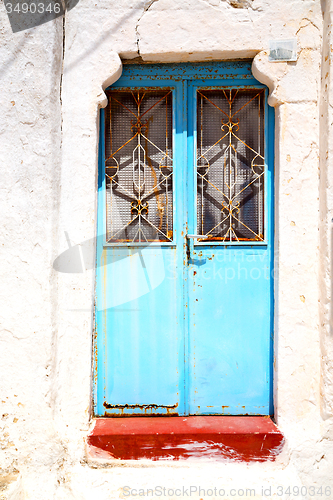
52	79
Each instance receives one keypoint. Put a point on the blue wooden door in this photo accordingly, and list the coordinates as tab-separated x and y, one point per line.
184	288
230	294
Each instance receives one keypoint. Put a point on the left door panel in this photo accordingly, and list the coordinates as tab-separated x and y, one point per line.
139	283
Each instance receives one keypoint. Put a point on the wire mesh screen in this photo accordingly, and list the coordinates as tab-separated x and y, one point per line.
138	166
230	164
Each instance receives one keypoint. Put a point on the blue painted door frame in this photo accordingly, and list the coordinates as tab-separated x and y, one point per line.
185	328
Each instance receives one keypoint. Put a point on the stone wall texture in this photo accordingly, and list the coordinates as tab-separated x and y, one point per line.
53	78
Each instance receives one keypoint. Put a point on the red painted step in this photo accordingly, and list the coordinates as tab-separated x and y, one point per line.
219	437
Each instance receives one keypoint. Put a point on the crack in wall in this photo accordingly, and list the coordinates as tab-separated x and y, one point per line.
306	25
56	206
235	4
62	61
151	2
240	4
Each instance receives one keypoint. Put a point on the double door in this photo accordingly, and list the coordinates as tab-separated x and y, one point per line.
184	284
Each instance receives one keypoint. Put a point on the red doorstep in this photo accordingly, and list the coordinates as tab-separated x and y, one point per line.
219	437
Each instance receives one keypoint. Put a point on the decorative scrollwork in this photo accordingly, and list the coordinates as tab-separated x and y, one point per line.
230	191
230	208
203	166
138	165
164	167
111	170
228	126
139	207
257	168
139	126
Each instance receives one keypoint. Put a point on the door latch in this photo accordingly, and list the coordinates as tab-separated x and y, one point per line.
188	246
196	236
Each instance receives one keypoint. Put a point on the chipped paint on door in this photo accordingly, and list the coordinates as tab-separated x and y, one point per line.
184	324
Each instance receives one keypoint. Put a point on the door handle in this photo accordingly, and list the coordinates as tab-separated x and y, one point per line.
188	246
189	237
196	236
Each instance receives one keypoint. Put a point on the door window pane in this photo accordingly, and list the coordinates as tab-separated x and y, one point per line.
138	166
230	164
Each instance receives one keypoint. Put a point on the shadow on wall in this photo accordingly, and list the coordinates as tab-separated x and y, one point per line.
22	18
24	15
134	260
81	258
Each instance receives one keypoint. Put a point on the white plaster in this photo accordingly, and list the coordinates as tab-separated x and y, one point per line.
11	487
269	74
49	139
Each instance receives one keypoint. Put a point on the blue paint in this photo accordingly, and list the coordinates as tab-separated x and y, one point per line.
185	339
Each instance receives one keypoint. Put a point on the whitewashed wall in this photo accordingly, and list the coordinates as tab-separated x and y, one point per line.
52	81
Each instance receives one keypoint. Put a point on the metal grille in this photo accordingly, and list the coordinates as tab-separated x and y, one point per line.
230	164
138	166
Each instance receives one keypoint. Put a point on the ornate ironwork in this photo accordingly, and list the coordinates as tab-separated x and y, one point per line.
138	166
230	164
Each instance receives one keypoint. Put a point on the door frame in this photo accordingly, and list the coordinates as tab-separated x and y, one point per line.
215	74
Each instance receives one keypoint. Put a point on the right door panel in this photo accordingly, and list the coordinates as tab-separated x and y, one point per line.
230	282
